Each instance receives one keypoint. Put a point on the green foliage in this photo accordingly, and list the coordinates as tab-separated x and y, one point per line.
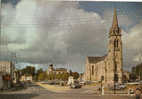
75	75
40	71
29	70
65	76
58	76
42	76
133	77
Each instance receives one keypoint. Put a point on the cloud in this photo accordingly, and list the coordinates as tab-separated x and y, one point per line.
124	20
132	45
61	33
133	39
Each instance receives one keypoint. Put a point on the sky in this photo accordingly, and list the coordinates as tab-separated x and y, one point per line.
65	33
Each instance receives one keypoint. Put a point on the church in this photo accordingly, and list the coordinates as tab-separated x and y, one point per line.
108	68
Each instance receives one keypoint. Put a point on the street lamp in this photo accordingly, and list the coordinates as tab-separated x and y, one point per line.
140	60
115	80
102	90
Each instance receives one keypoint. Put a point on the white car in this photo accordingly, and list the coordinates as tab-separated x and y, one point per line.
122	86
82	83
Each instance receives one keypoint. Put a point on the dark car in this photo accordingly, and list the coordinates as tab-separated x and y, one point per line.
75	85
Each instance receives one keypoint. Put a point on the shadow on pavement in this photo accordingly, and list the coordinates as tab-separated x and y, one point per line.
17	96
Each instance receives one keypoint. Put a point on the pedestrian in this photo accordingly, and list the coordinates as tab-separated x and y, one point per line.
138	93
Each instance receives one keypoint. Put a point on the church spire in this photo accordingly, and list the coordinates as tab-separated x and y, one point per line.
115	30
115	21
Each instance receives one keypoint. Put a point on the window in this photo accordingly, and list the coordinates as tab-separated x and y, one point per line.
116	43
93	70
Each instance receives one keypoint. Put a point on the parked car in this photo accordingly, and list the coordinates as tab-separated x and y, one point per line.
88	82
75	85
82	83
118	87
122	86
131	91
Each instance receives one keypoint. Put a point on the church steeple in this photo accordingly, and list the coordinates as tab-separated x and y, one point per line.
115	21
115	49
115	30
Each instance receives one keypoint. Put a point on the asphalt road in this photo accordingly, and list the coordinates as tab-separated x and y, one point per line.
37	92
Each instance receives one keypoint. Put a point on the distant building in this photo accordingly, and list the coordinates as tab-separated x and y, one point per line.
52	70
6	67
1	81
108	67
60	70
7	71
26	78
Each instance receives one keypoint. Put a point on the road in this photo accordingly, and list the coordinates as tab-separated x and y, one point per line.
37	92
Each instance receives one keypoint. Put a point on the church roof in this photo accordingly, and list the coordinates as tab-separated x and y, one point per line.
92	59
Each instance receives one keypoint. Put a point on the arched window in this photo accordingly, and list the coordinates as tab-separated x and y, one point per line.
92	69
116	43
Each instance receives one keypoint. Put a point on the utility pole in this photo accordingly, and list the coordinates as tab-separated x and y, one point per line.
140	60
90	72
0	28
102	86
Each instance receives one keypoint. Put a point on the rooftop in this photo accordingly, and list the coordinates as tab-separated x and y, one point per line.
61	69
92	59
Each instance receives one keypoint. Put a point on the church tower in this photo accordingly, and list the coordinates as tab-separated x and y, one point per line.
115	51
109	67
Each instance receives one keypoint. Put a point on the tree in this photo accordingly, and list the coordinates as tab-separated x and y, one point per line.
58	76
47	77
40	71
29	70
125	79
65	76
70	72
75	75
133	77
137	71
42	76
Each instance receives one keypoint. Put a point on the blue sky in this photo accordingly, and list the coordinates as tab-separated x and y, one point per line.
14	2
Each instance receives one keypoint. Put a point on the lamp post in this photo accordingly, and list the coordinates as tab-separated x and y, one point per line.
115	80
0	28
102	88
140	60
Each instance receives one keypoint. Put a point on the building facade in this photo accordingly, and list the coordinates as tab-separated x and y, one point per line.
109	66
26	78
7	72
6	67
52	70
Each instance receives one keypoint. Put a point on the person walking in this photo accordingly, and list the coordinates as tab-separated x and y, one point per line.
138	93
